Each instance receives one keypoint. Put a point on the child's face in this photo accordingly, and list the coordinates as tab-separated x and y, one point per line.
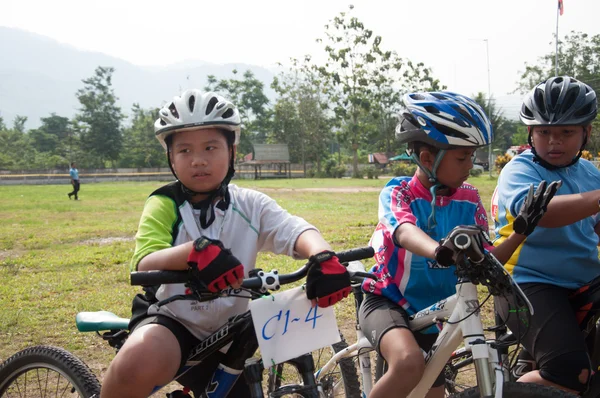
200	158
558	145
455	166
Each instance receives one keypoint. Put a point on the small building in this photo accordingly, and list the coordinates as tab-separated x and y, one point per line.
268	160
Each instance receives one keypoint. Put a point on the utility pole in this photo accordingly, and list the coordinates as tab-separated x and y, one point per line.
487	47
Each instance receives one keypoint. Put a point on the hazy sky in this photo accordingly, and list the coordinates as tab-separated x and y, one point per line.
447	35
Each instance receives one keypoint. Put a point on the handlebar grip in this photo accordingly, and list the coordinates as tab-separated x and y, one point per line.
356	254
150	278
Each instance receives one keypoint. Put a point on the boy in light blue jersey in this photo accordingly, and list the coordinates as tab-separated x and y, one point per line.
561	255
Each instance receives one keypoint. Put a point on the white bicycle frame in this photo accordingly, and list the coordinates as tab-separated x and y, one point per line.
462	311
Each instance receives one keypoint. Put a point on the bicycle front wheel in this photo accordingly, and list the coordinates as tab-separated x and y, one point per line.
44	371
520	390
341	381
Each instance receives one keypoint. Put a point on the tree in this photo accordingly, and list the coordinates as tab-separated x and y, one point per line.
362	74
53	135
502	128
252	103
99	120
578	57
299	117
141	148
16	153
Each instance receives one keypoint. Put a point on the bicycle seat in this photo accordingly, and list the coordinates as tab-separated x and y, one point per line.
100	320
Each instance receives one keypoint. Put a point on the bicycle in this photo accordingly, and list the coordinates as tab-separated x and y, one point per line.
518	361
460	317
58	370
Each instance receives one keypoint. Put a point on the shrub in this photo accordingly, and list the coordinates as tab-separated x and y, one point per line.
502	160
372	172
475	172
404	169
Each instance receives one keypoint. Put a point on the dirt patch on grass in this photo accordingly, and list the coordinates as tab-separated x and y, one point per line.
108	241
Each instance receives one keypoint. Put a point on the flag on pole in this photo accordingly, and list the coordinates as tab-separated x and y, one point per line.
560	7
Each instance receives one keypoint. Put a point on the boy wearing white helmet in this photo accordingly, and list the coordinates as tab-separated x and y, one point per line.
442	130
561	256
203	223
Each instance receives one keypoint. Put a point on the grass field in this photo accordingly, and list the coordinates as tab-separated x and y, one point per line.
59	257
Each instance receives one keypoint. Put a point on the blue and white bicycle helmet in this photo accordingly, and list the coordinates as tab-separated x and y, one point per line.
443	120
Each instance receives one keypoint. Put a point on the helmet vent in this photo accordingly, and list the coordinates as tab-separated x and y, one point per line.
228	113
450	132
173	110
586	110
431	109
465	114
191	103
163	123
211	104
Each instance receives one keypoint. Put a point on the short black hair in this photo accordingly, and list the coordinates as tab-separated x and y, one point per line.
418	146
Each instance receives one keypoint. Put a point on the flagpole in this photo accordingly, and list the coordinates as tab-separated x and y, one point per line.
556	48
487	50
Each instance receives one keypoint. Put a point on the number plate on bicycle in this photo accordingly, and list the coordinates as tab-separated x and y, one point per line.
287	326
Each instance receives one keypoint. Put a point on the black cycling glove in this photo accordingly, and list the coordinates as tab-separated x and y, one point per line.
534	207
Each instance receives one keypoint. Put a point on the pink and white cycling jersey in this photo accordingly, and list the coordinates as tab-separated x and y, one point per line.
412	281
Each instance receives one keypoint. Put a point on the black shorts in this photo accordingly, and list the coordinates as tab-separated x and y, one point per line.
378	315
551	332
198	377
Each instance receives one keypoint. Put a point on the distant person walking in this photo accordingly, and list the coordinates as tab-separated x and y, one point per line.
74	173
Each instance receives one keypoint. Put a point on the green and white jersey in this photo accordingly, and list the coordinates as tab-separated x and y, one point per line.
253	222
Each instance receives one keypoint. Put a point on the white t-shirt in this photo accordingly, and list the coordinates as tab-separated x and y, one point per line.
253	222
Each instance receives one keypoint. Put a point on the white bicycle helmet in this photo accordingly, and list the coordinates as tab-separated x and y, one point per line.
195	109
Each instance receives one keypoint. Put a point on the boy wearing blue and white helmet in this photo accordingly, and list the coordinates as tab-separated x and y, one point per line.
215	229
556	260
442	130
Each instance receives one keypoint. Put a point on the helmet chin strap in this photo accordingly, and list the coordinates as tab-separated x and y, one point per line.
537	158
432	178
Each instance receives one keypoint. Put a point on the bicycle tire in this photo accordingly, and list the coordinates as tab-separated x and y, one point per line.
520	390
347	370
34	370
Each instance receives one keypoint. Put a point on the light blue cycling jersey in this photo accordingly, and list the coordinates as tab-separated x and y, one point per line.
565	256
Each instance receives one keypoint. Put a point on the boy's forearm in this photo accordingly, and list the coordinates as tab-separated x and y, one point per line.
568	209
413	239
173	258
310	242
506	249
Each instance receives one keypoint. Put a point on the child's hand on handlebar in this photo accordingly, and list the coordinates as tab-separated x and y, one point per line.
534	207
214	265
328	280
447	252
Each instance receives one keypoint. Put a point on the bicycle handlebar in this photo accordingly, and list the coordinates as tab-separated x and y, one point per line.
150	278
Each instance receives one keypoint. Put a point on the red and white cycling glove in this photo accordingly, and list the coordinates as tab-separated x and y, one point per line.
215	265
328	280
